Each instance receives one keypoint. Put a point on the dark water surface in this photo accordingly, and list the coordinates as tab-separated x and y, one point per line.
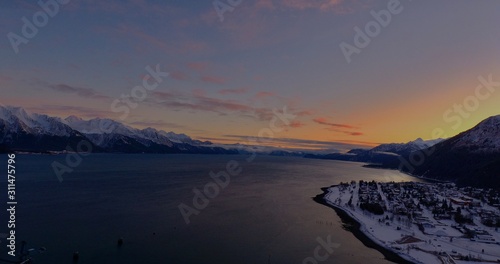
265	215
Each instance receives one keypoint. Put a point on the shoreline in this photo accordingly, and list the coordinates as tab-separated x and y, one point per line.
358	233
420	177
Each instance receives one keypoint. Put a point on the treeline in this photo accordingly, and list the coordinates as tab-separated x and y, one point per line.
374	208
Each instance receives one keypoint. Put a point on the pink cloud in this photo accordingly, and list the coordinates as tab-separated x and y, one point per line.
263	95
199	92
146	41
213	79
80	91
64	111
265	4
258	78
324	121
178	75
199	101
143	36
307	4
233	91
193	46
296	124
204	103
198	65
350	133
345	132
128	7
163	95
257	24
337	127
304	113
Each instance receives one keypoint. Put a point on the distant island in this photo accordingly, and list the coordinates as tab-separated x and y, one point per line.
422	222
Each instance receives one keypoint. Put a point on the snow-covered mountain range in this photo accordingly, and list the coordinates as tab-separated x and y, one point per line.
471	157
407	148
17	120
20	130
97	127
381	154
485	137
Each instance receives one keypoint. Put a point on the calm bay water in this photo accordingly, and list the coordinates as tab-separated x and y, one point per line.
265	215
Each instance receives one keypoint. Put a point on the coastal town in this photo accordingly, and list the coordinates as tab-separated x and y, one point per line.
424	222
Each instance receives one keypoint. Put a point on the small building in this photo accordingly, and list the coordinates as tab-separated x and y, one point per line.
458	201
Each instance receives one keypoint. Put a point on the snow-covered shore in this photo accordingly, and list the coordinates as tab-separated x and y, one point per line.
401	240
361	231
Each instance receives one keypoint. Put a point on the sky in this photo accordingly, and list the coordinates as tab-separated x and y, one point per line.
411	69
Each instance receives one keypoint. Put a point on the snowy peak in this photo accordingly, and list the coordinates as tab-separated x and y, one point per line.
406	148
18	120
24	131
73	119
484	137
419	143
469	158
99	126
12	114
14	120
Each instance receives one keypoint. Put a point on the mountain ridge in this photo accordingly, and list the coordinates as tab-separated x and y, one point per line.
32	132
470	158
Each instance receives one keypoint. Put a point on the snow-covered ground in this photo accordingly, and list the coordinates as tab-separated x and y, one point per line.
431	249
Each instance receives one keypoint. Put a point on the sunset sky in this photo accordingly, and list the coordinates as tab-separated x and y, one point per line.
227	75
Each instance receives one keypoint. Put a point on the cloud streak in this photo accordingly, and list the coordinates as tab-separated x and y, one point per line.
213	79
323	5
324	121
198	66
296	124
178	75
199	102
156	124
337	127
80	91
264	94
67	110
233	91
302	144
